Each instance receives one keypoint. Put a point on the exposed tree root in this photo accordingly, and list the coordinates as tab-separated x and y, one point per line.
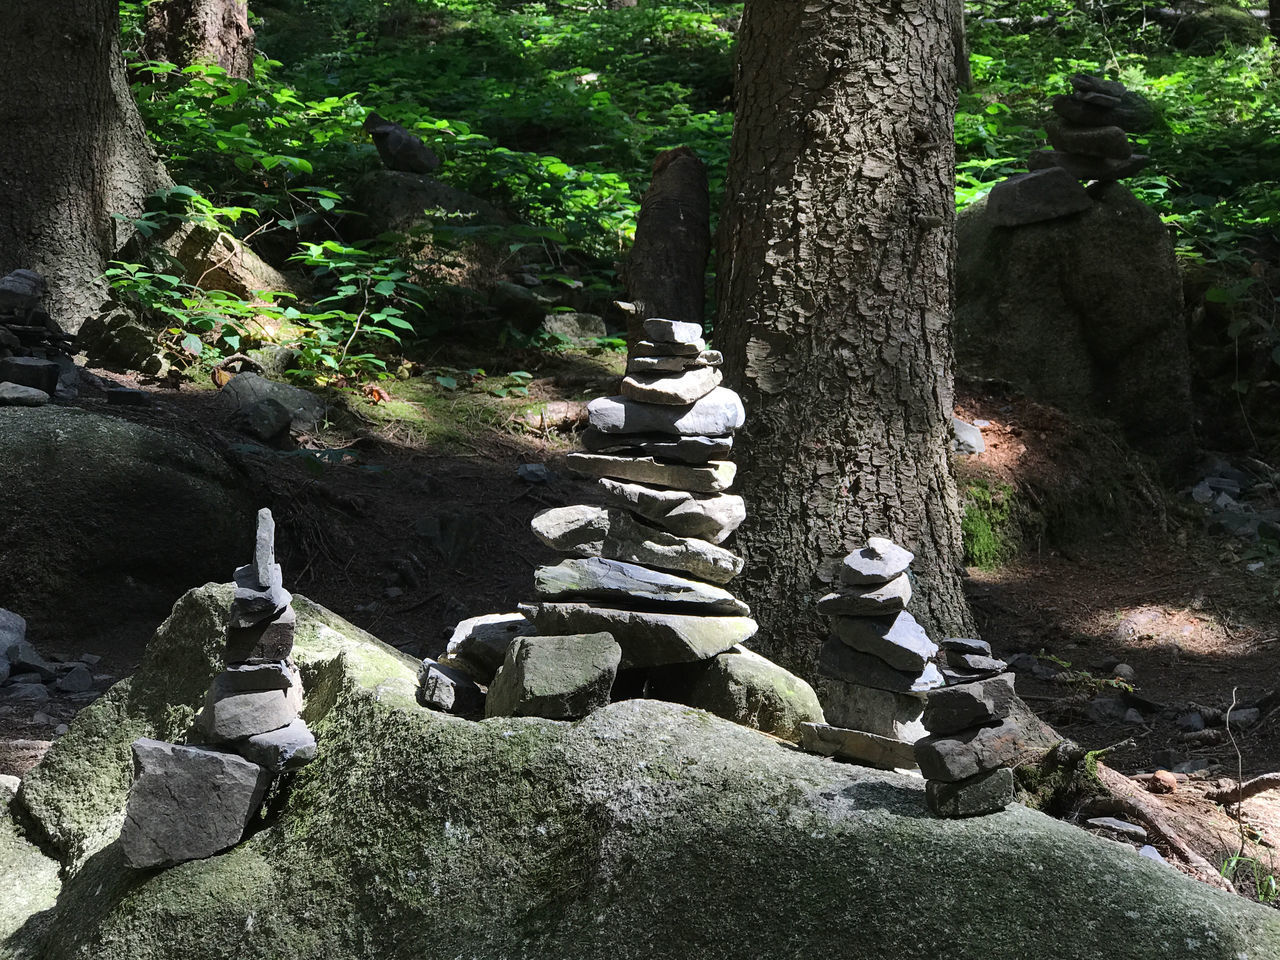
1243	791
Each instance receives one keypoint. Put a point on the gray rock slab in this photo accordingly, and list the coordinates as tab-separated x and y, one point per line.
556	677
25	694
719	412
707	358
659	445
231	714
187	803
898	640
886	714
660	330
17	395
76	680
647	639
752	690
575	326
876	600
270	640
879	561
617	583
267	420
975	797
857	746
966	645
21	291
1084	167
1108	142
591	531
673	389
450	690
13	628
306	410
960	707
958	756
1122	827
23	657
246	677
288	748
257	601
34	372
711	518
966	439
974	663
651	348
839	661
1133	113
712	477
478	645
1032	197
265	569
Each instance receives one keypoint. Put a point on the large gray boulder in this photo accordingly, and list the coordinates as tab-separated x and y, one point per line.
647	830
106	520
1083	312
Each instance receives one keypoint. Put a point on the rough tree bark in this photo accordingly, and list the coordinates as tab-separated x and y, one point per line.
665	272
200	31
835	280
75	151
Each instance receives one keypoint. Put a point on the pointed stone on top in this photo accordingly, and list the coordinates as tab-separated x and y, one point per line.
672	331
878	562
264	548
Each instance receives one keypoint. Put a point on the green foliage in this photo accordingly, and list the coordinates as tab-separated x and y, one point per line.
988	528
1265	885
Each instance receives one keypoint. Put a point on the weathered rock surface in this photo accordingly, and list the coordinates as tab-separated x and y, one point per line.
390	842
285	749
559	678
17	395
478	645
884	753
660	330
839	661
898	640
975	797
720	411
958	756
887	714
878	561
679	389
234	715
711	477
746	688
306	410
869	601
442	687
707	358
662	446
615	582
1037	196
709	518
965	705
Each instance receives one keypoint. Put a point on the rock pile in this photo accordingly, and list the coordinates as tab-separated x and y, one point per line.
879	661
1089	144
190	801
35	354
973	738
50	691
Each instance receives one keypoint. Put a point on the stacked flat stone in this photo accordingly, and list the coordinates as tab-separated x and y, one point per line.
1088	135
646	567
972	739
34	352
192	801
879	661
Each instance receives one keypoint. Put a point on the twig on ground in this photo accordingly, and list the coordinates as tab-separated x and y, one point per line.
1239	792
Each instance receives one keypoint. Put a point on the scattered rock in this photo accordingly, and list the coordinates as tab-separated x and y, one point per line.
746	688
16	395
441	687
478	645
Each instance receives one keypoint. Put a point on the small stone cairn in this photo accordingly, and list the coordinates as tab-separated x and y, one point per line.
34	351
642	587
191	801
1089	144
879	661
972	737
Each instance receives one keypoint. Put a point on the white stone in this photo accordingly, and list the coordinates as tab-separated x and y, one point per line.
719	412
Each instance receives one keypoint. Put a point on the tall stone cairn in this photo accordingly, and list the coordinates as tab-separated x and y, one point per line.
1088	136
879	662
190	801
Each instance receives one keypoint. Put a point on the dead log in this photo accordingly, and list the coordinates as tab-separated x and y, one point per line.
665	272
200	31
1240	792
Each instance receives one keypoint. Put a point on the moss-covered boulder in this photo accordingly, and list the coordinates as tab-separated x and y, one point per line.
645	830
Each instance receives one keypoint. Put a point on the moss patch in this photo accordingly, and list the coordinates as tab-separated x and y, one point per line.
989	528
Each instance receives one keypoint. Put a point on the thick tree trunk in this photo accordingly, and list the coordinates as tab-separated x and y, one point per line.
75	152
835	289
665	274
201	31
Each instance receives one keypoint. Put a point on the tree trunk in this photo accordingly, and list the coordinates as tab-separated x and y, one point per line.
75	149
964	71
1273	18
665	273
835	292
200	31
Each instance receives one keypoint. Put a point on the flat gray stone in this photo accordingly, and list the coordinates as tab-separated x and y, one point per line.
478	645
444	688
617	583
886	714
857	746
1032	197
1122	827
574	326
678	389
288	748
662	446
960	707
24	693
650	348
23	657
879	561
974	663
246	677
647	639
265	569
556	677
1084	167
839	661
966	645
899	640
187	803
755	692
34	372
16	395
875	600
966	439
958	756
306	410
257	601
719	412
707	358
13	629
590	531
659	330
711	518
270	640
1108	142
230	714
712	477
76	680
975	797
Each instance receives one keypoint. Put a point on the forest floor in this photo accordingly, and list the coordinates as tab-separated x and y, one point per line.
405	533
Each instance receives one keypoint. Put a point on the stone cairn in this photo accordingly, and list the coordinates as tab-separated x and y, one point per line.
34	352
879	661
1089	143
973	738
192	801
642	587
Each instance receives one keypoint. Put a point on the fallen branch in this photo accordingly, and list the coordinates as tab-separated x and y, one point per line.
1243	791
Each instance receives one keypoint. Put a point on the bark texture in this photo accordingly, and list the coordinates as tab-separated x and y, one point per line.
665	273
75	151
835	289
201	31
